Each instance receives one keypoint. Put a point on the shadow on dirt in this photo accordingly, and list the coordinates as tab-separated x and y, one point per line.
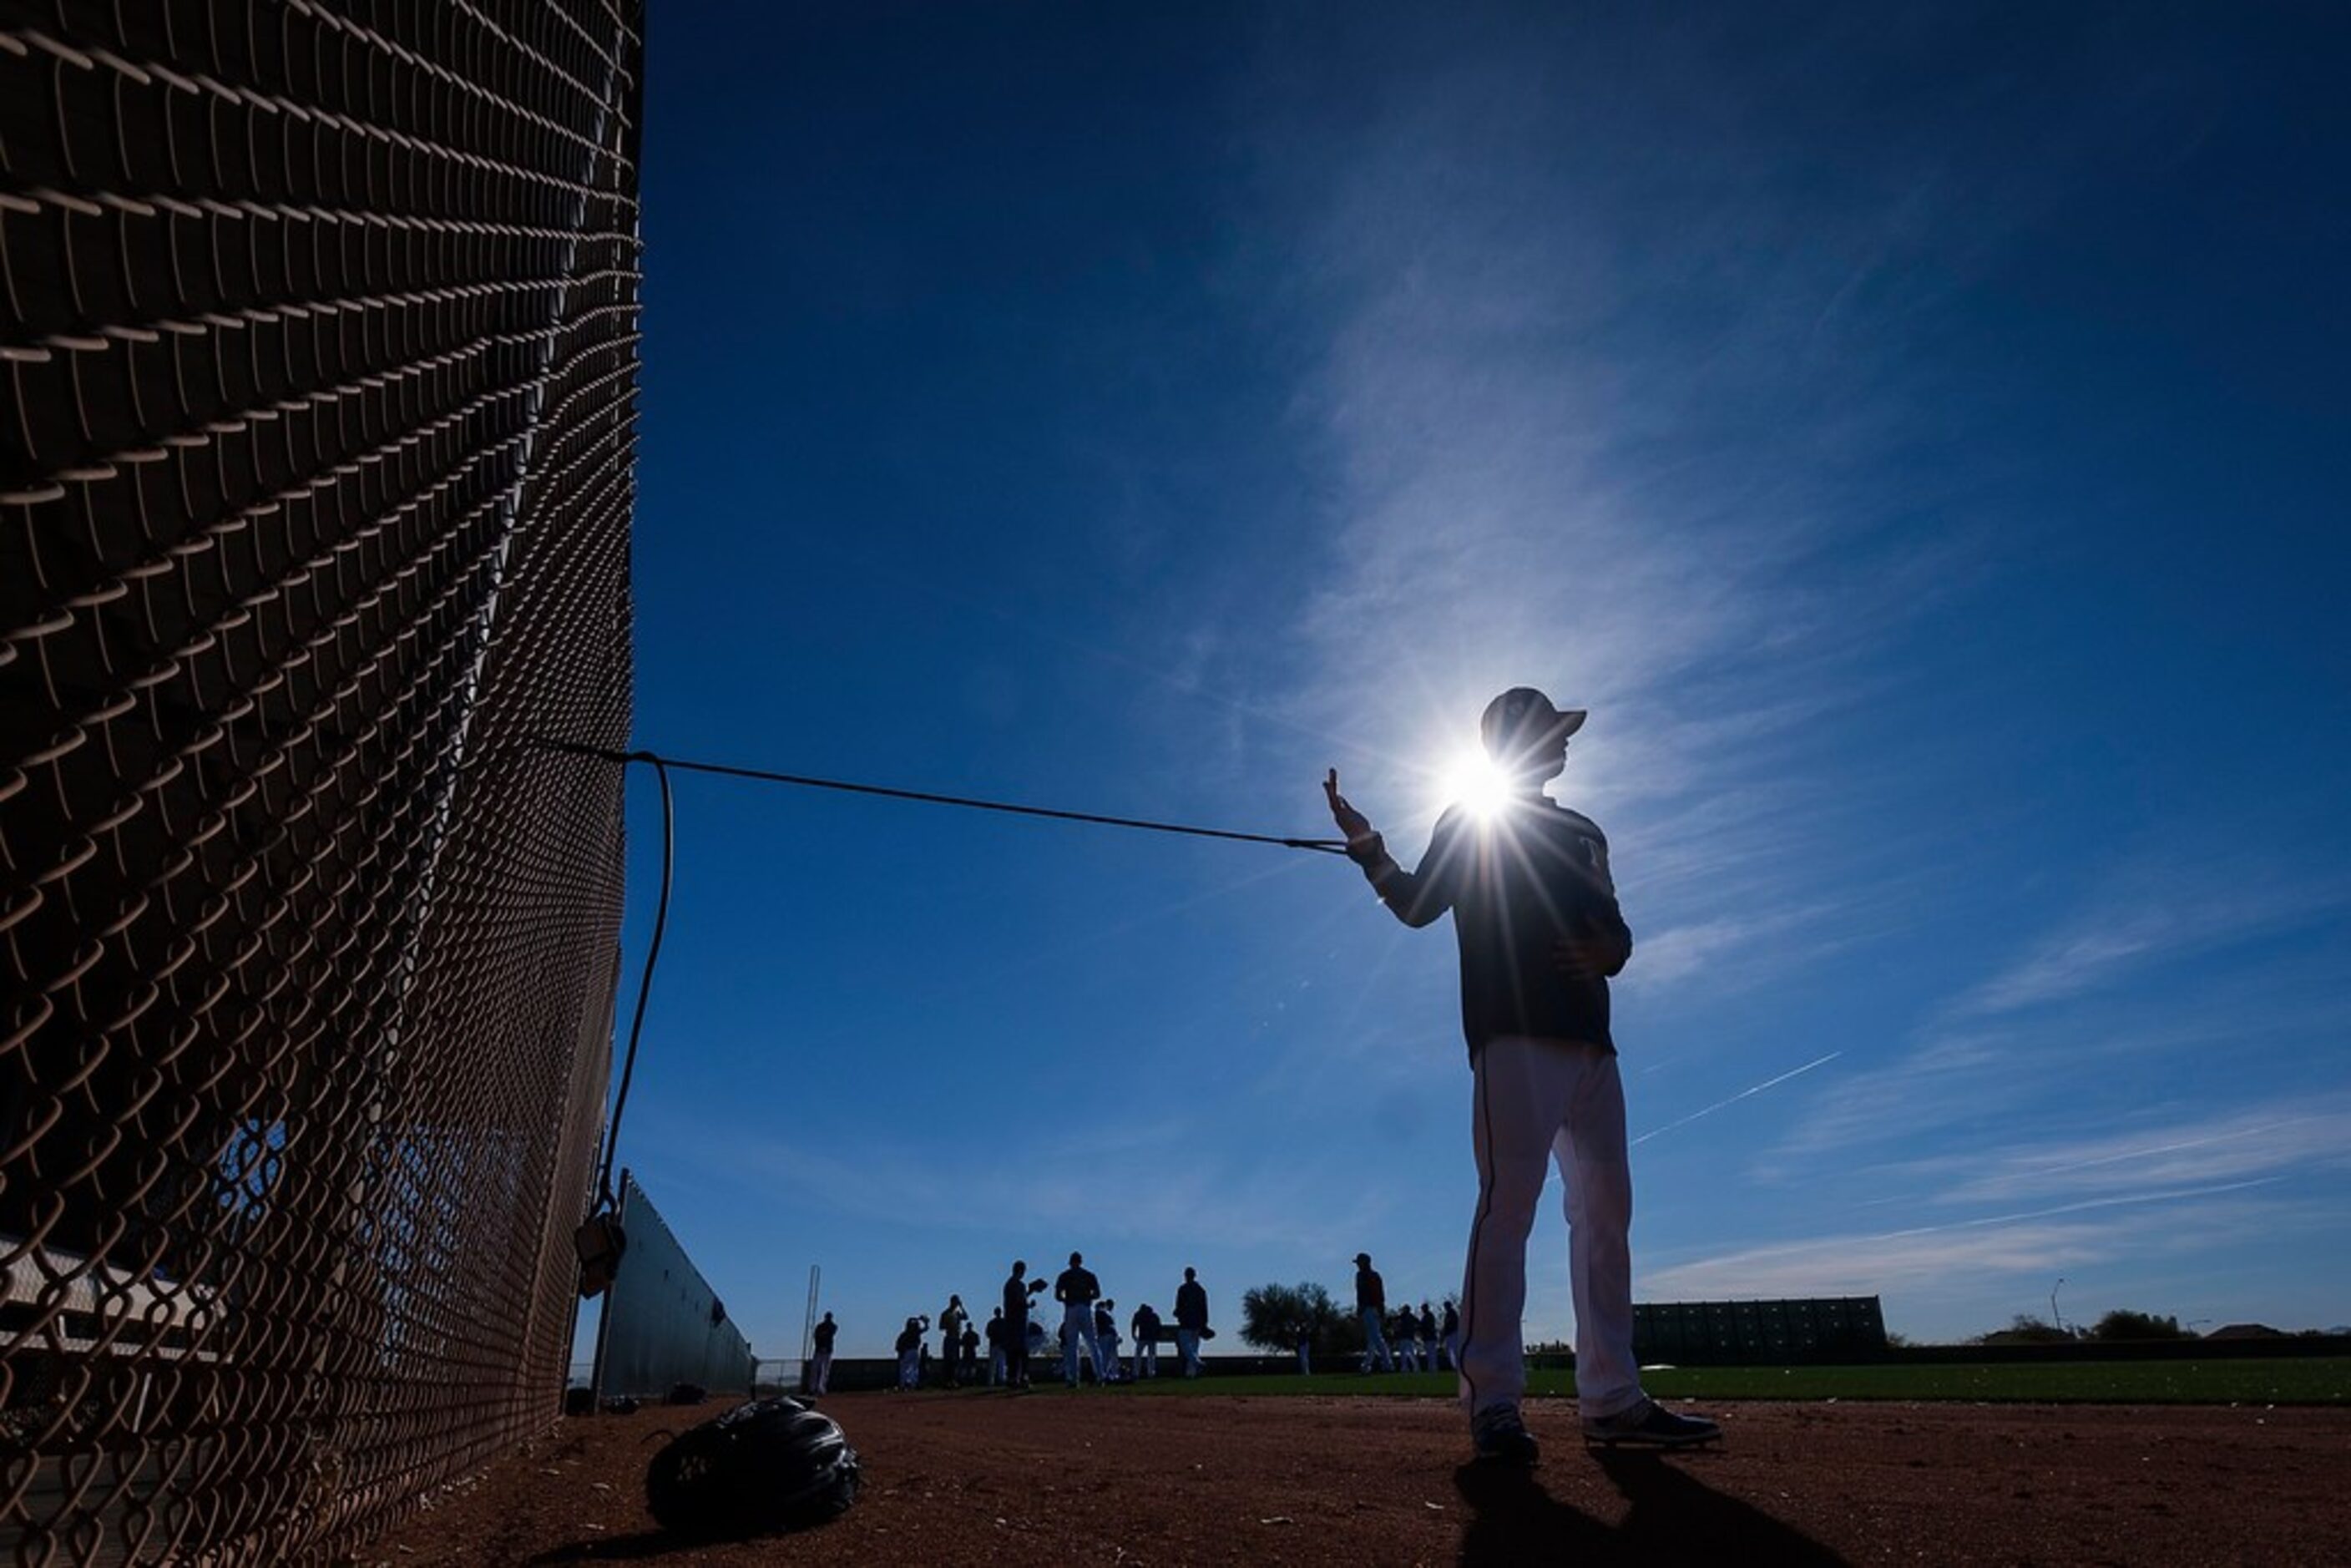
1674	1518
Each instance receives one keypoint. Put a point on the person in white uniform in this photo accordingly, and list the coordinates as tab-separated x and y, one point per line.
1540	933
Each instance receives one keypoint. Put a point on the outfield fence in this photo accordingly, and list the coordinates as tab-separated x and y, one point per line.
1763	1333
664	1326
318	328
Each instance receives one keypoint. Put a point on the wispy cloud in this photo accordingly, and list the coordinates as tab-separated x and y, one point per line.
2274	1138
1727	949
2175	908
2164	962
1941	1080
1550	458
1959	1255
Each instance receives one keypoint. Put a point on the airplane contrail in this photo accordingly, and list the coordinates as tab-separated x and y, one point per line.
1735	1099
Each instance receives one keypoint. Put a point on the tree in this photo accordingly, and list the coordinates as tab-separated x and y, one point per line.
2122	1323
2026	1329
1273	1316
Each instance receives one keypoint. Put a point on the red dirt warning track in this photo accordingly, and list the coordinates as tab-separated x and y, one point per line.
1053	1478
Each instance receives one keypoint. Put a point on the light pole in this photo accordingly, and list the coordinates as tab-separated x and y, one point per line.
2053	1312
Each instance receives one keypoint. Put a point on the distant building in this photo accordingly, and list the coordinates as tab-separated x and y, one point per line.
1809	1329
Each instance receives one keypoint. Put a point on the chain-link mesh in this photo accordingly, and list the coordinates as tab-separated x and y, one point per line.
317	332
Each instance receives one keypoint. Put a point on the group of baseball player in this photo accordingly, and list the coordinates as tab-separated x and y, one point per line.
1404	1340
1090	1335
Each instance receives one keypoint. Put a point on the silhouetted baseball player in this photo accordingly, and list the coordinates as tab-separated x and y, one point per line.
1535	909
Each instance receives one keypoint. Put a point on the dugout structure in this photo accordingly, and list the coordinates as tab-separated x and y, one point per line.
317	371
1824	1328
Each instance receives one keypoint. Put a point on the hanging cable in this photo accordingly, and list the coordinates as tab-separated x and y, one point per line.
605	1195
1324	846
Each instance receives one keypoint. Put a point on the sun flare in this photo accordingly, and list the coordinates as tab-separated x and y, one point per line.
1473	783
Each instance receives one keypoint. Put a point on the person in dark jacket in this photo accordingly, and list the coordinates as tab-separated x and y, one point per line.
1108	1367
1403	1339
1076	1290
1018	1289
1372	1308
1145	1325
1191	1320
1540	935
951	1324
819	1374
910	1349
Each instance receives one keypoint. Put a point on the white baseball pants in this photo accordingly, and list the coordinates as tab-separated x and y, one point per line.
1535	1100
1077	1339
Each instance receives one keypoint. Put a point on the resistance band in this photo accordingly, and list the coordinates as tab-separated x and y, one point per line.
605	1196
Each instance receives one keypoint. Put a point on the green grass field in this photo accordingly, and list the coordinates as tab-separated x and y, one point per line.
2302	1380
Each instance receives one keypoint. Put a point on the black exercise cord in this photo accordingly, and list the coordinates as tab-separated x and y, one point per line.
1326	846
611	1199
662	765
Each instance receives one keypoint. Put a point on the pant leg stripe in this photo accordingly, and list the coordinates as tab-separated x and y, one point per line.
1477	1229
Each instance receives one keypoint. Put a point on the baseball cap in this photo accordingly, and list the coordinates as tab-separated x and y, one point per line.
1363	1257
1524	716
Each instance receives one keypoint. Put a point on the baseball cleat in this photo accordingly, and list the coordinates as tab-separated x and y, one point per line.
1498	1434
1650	1425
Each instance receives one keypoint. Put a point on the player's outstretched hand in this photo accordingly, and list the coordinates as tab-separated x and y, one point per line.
1352	823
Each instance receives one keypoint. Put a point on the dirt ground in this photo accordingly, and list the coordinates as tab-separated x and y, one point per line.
1055	1477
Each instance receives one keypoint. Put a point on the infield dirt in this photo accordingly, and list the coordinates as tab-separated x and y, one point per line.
1054	1477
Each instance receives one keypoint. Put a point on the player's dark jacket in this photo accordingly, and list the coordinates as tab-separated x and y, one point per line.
1145	1324
823	1337
1077	1284
1016	1303
1192	1306
1516	883
1371	1291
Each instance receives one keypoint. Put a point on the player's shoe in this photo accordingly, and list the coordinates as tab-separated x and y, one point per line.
1650	1425
1498	1434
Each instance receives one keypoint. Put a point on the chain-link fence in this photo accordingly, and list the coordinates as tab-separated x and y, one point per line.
663	1324
317	332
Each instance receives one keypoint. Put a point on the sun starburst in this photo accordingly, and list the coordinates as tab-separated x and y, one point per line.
1473	783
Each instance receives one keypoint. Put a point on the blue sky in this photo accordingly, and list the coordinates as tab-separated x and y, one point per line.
1916	436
